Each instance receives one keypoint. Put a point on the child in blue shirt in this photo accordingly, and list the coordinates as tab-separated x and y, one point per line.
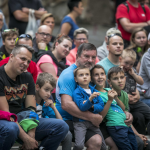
87	99
45	107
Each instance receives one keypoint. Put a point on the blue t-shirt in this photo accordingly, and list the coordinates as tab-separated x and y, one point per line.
65	85
106	64
74	26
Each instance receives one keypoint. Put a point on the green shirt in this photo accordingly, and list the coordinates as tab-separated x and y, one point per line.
115	115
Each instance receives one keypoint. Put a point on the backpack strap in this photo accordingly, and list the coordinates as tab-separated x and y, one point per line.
142	5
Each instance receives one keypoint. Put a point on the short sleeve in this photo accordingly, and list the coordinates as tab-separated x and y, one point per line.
122	12
14	5
66	20
2	93
45	59
31	84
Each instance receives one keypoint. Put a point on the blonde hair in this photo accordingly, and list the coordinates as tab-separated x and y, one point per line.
45	16
129	53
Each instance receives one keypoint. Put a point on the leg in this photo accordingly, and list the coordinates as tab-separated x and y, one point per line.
51	132
9	132
67	142
140	143
146	101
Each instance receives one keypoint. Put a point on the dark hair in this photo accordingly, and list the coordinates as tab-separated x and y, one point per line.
85	46
115	70
97	66
45	78
79	68
73	3
17	49
112	35
26	39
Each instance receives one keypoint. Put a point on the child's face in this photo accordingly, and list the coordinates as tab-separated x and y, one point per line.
117	81
45	91
127	63
99	77
83	77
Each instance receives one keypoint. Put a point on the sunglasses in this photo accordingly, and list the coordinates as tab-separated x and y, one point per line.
112	35
23	36
7	30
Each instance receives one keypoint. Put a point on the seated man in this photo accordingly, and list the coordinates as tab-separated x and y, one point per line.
17	90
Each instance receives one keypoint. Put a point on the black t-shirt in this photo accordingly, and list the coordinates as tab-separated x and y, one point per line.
17	5
16	91
130	83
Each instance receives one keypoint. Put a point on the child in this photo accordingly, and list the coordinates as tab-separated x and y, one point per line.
127	61
87	99
114	109
45	84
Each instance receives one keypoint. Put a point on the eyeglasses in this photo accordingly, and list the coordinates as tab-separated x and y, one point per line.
23	36
7	30
80	39
44	34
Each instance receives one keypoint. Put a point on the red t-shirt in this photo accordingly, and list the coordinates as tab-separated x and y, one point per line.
135	15
32	67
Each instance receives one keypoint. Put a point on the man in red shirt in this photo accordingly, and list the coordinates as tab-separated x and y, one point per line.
131	16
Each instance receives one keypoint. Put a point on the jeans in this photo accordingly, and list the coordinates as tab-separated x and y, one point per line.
9	132
51	132
146	101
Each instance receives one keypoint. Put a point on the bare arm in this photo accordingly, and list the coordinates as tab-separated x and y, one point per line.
30	101
129	27
66	27
20	15
57	114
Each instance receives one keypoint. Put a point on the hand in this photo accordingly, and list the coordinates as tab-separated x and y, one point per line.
96	120
112	94
41	9
49	103
144	139
25	10
95	94
134	98
42	46
84	101
129	118
12	119
131	72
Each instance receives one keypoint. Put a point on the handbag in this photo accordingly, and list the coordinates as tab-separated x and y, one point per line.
32	25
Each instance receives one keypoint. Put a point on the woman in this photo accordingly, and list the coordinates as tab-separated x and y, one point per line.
68	24
139	44
54	62
48	19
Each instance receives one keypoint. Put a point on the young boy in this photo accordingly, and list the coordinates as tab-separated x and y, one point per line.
45	107
8	36
87	99
114	109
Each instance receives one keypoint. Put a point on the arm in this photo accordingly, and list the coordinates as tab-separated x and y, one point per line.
120	103
57	114
20	15
66	27
134	98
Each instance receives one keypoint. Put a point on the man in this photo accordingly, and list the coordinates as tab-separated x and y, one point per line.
43	35
19	13
102	51
86	56
15	80
80	36
9	36
1	25
128	19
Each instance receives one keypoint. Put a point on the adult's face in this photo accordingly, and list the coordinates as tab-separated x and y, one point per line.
115	45
79	9
80	38
25	42
87	58
44	34
49	22
1	22
20	62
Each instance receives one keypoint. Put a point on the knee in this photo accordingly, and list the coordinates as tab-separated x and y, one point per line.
138	117
13	129
79	147
68	137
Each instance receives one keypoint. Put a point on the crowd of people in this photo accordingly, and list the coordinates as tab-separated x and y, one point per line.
62	89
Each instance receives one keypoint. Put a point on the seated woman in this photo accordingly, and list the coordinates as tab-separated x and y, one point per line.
139	44
54	61
49	20
68	24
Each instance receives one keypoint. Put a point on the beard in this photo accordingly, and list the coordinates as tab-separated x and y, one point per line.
117	55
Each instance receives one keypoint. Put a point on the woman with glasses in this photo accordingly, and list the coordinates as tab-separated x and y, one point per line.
54	62
68	24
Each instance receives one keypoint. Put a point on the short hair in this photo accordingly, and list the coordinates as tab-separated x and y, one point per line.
112	35
85	46
45	78
113	70
45	16
97	66
2	15
9	32
81	31
60	39
129	53
73	3
26	39
112	31
79	68
17	49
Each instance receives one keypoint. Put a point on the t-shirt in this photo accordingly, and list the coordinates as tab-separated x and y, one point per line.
135	15
18	5
65	85
106	64
115	115
16	91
